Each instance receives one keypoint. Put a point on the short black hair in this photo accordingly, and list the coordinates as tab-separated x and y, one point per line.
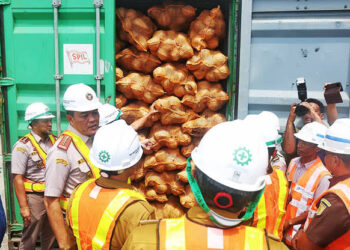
345	158
318	102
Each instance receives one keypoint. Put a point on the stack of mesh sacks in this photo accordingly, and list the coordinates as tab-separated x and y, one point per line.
169	57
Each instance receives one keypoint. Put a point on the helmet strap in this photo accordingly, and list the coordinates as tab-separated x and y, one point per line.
200	199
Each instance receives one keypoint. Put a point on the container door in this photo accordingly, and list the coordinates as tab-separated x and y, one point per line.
30	62
284	40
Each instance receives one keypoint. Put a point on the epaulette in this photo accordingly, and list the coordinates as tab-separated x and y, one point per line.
65	142
24	139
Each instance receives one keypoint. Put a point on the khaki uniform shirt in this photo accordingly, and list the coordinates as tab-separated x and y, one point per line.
26	160
65	169
145	237
129	219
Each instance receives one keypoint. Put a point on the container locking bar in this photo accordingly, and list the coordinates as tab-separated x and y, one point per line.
56	4
98	4
5	2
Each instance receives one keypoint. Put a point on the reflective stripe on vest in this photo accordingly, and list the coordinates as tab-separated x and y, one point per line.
270	213
84	151
32	186
302	194
94	212
64	203
41	152
182	234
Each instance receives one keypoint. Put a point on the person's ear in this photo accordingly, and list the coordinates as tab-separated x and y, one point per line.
322	116
70	118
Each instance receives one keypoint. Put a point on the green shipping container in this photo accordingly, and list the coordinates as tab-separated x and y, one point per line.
32	72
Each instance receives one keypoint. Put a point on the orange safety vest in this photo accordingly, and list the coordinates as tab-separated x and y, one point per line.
302	193
342	190
181	233
270	212
94	212
29	185
84	151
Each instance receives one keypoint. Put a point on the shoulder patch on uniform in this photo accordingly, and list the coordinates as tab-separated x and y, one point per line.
65	142
21	149
62	161
24	139
323	205
34	153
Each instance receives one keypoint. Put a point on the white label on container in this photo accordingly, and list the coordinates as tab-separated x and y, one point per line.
78	59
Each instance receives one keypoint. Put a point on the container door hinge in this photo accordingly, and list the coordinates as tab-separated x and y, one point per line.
7	81
55	3
98	3
5	2
6	158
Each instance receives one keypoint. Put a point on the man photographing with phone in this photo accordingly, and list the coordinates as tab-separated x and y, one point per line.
309	109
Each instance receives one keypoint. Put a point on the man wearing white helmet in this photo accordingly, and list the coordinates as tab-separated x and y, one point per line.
68	162
271	209
230	165
115	205
109	113
328	224
28	171
308	177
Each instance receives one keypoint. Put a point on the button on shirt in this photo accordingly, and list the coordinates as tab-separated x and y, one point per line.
66	169
301	169
26	160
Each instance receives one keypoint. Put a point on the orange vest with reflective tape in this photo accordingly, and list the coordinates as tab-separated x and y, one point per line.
302	193
29	185
181	233
270	212
94	212
342	190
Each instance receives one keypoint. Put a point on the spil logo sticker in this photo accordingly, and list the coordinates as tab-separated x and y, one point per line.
104	156
242	156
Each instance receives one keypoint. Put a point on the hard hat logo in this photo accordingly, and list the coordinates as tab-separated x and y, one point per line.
242	156
89	96
104	156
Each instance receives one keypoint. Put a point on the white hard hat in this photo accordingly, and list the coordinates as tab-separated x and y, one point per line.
234	155
312	132
37	110
271	118
116	147
80	97
267	126
108	113
337	138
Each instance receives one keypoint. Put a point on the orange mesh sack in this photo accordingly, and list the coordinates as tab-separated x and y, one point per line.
173	112
209	65
135	111
170	45
118	73
187	199
165	182
170	209
119	45
136	28
149	193
168	136
175	79
173	16
187	150
135	60
200	126
208	95
207	30
141	87
120	100
165	159
140	171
